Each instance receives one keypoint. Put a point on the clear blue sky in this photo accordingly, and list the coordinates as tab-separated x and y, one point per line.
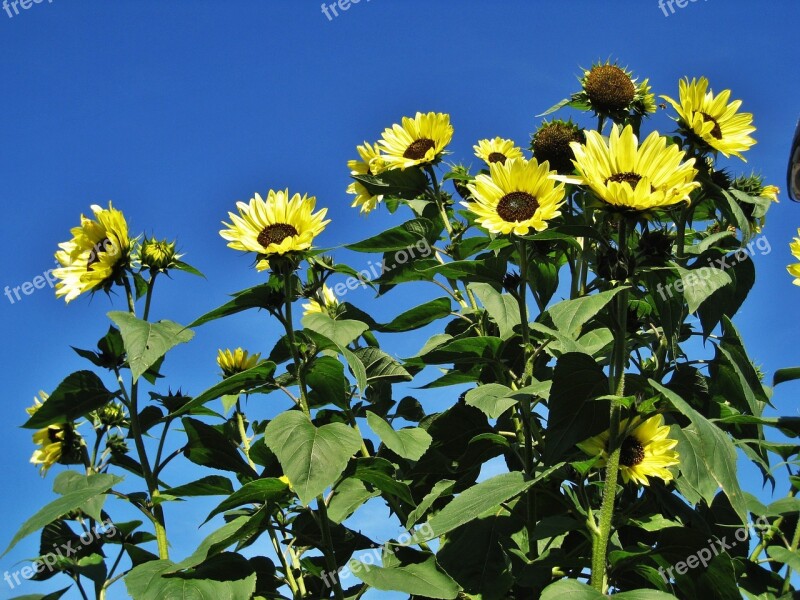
175	110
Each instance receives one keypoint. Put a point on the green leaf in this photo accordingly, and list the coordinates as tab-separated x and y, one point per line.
146	342
784	375
312	457
379	366
423	579
570	316
51	596
569	589
472	503
699	284
418	317
253	378
502	308
410	443
326	382
785	556
440	488
468	350
72	481
208	447
96	485
491	399
75	397
340	331
575	415
397	238
259	296
708	456
395	183
347	497
212	485
381	474
186	268
146	582
259	491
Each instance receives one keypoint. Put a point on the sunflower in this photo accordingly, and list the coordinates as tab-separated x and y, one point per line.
325	300
158	255
371	163
236	361
93	258
646	450
497	150
516	196
711	119
794	269
630	176
274	227
612	91
54	440
418	141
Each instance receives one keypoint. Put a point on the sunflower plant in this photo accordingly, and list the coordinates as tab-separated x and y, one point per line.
574	426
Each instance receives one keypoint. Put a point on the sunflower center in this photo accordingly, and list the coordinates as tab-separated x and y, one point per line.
716	133
275	234
418	149
552	143
517	206
609	88
627	177
94	257
497	157
631	453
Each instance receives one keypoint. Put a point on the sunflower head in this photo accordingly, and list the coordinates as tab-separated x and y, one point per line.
37	403
371	163
95	256
323	301
516	196
551	143
794	269
418	141
758	199
710	120
646	450
497	150
628	176
236	361
158	255
280	226
611	91
58	443
110	415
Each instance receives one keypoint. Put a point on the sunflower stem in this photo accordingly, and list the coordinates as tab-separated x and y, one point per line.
438	195
617	387
787	582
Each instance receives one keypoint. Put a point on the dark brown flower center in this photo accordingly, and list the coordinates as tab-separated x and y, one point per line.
517	206
275	234
631	178
94	257
631	453
716	133
552	144
418	149
609	88
497	157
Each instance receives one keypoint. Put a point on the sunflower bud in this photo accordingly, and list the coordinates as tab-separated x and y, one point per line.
236	361
110	415
551	143
116	444
158	255
460	177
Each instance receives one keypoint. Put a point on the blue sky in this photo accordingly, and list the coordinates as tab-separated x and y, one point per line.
176	110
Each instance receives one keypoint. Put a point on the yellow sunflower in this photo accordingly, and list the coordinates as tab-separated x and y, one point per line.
516	196
326	299
794	269
371	163
236	361
54	440
497	150
94	256
275	226
646	450
418	141
630	176
712	118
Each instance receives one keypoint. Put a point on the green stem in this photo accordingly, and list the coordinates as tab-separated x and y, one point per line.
243	434
600	539
290	580
439	203
149	297
787	583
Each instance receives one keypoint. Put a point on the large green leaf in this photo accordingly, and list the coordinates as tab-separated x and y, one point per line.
570	589
395	183
147	342
381	474
146	582
503	308
379	366
211	485
423	579
699	284
472	503
326	382
468	350
570	316
340	331
347	497
259	491
418	316
75	397
786	556
96	485
247	380
312	457
491	399
208	447
410	443
708	456
397	238
260	296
